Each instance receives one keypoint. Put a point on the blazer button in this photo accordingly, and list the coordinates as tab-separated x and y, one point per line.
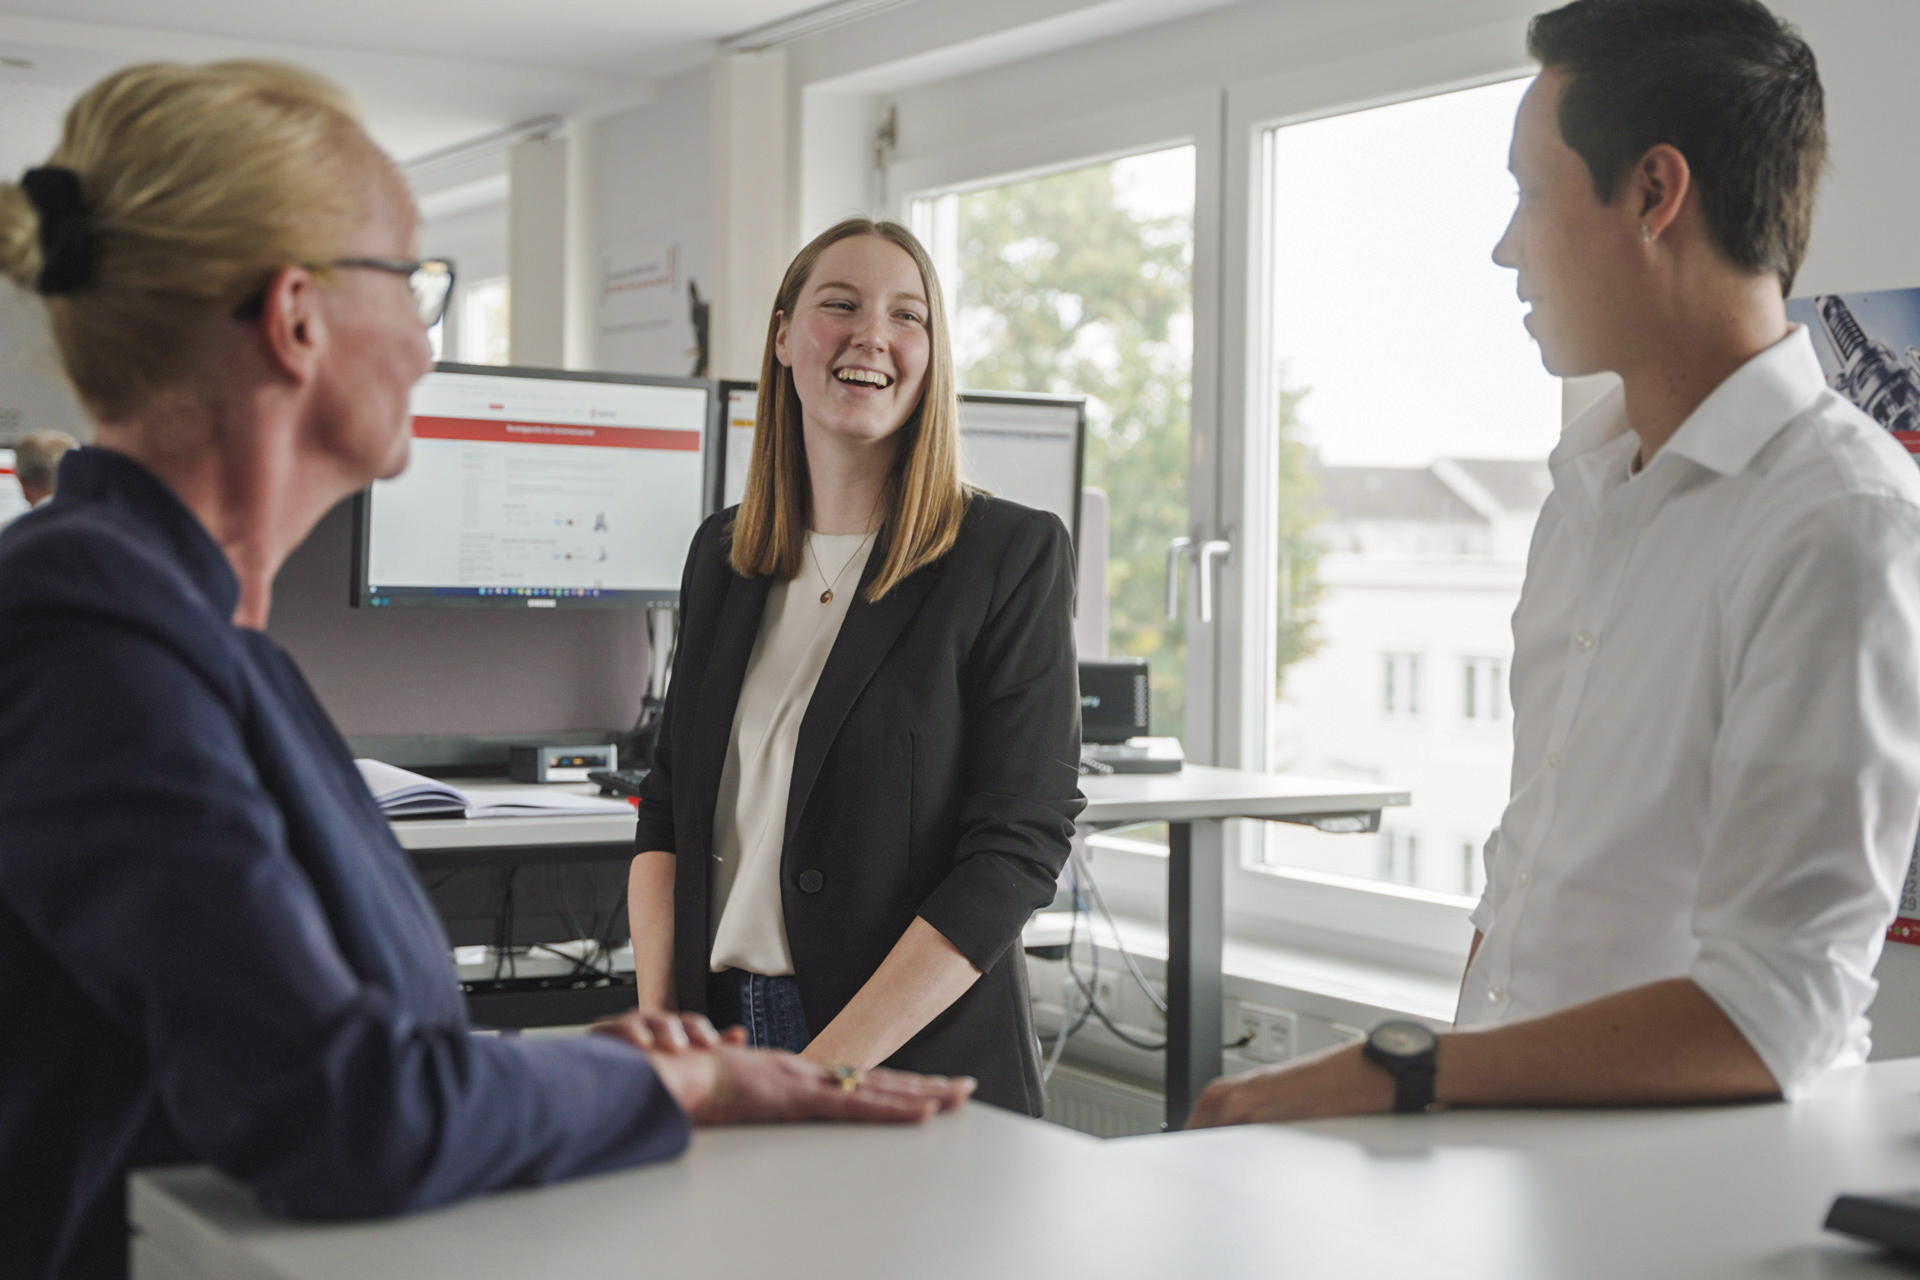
810	881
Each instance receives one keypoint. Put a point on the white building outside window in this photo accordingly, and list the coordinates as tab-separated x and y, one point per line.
1401	685
1483	694
1415	421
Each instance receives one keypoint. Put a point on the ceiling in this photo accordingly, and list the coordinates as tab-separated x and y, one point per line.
427	73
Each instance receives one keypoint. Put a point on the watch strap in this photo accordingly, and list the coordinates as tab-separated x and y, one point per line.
1413	1084
1413	1075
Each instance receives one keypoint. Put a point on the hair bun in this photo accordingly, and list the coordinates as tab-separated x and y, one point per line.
66	248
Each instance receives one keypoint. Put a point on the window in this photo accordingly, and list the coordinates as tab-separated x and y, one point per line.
1402	684
1482	696
1399	855
1473	869
483	332
1411	422
1080	283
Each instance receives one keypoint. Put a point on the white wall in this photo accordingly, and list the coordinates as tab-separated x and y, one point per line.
651	196
34	392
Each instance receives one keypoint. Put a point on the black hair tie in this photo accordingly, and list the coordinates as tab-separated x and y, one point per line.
66	249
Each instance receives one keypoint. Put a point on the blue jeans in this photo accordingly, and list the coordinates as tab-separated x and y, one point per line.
769	1008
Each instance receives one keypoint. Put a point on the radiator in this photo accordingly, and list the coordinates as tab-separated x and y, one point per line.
1103	1105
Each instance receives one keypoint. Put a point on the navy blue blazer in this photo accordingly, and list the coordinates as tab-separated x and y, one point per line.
211	946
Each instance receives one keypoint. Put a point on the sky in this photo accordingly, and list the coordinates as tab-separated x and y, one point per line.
1386	304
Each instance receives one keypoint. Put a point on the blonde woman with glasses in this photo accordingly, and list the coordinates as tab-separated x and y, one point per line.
867	773
211	946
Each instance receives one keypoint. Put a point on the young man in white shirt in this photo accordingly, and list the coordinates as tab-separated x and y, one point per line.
1716	677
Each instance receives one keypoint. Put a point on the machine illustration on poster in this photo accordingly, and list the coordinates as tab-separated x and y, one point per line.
1869	348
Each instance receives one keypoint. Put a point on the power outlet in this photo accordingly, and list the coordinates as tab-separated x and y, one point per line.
1270	1034
1105	992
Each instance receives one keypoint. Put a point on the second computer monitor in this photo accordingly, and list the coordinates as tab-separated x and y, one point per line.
1026	448
539	489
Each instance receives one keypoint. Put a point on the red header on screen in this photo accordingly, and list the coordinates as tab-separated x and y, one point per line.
491	430
1911	439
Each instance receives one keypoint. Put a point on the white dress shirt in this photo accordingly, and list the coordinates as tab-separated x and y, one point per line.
1716	695
797	632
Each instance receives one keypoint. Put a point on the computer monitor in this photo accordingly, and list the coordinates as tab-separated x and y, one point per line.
12	501
533	488
738	403
1028	448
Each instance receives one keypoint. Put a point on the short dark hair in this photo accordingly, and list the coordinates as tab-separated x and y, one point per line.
1731	87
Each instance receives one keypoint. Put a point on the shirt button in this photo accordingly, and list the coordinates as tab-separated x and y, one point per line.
1525	878
1553	759
810	881
1496	993
1584	640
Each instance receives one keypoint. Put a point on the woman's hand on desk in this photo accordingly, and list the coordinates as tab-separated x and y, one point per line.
718	1081
664	1031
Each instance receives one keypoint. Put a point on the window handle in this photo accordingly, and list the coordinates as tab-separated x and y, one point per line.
1209	550
1176	550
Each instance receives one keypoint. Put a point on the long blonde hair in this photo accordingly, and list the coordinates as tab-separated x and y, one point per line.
197	184
925	499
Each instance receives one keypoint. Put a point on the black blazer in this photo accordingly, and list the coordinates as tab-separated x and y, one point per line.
936	775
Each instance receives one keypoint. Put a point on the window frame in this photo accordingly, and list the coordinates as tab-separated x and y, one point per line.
1383	919
1190	119
1227	120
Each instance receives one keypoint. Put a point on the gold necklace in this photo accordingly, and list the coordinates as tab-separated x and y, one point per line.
826	597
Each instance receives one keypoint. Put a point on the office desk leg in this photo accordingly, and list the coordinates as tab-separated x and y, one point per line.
1195	922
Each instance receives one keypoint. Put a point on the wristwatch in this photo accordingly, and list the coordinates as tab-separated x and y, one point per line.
1409	1052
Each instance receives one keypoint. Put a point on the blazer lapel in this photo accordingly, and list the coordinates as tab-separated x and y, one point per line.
719	697
866	637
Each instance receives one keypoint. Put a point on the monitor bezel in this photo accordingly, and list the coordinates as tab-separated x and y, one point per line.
724	390
1078	403
360	597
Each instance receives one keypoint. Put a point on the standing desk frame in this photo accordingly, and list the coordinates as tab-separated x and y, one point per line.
1196	803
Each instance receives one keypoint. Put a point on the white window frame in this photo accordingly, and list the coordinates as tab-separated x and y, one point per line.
1192	119
1230	452
1413	926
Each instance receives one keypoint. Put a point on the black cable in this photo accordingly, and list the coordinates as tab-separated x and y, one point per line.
503	928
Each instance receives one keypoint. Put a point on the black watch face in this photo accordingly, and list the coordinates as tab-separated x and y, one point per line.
1402	1039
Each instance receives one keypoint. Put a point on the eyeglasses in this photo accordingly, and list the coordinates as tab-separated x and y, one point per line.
430	279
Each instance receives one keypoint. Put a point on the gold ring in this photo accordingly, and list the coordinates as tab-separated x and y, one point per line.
847	1077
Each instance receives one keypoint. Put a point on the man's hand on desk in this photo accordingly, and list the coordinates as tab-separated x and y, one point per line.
1667	1043
1339	1082
717	1080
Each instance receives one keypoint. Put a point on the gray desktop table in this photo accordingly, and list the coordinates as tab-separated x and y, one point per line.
1196	803
976	1194
1672	1194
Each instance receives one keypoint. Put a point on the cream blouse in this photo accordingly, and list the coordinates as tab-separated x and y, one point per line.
797	632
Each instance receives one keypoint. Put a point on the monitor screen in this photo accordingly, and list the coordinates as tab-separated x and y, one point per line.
738	403
536	489
1026	448
12	501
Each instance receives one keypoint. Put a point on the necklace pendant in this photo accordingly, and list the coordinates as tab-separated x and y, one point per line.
826	597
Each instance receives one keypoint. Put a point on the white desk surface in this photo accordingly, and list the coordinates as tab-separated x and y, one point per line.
1197	792
1648	1195
977	1195
1683	1193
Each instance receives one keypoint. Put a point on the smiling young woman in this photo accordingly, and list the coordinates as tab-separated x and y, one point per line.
865	781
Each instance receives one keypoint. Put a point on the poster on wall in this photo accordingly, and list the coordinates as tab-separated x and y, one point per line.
653	318
1869	348
640	289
